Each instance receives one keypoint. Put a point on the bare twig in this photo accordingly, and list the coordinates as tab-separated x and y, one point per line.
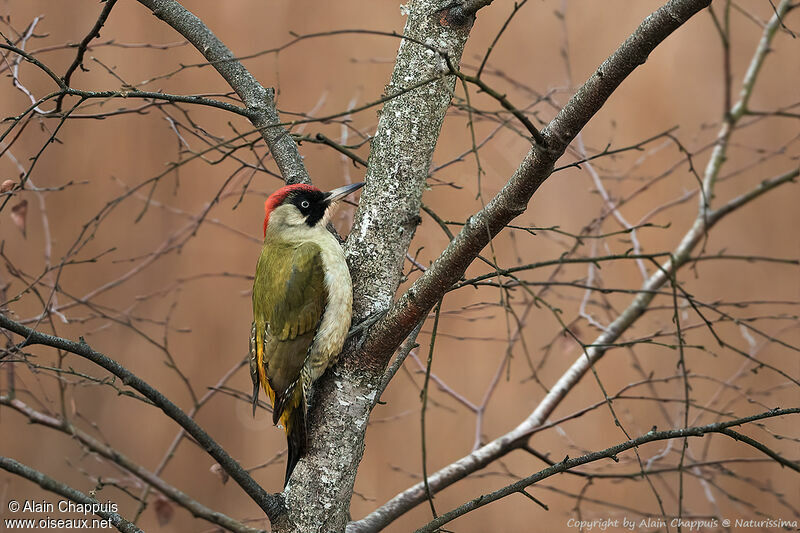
271	504
612	453
52	485
260	101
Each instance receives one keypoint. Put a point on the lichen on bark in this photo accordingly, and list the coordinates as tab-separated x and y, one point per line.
388	213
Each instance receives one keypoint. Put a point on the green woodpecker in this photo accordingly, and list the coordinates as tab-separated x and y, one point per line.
302	305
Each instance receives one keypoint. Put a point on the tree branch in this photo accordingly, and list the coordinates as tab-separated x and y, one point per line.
84	44
514	438
131	93
50	484
259	100
272	505
537	166
463	12
611	453
510	202
384	224
181	498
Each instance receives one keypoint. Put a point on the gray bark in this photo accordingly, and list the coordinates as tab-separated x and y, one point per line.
400	157
510	202
385	222
535	168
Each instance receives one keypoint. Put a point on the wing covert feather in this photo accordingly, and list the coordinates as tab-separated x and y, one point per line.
289	297
301	295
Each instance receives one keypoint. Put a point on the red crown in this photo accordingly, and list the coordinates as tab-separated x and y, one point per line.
277	198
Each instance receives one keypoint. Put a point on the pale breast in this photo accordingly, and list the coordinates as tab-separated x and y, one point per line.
335	323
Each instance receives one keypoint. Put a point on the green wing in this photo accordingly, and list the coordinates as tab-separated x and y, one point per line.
288	299
301	297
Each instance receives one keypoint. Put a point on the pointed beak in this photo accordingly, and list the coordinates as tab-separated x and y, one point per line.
337	194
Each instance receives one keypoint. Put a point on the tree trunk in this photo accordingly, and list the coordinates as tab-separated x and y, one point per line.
385	222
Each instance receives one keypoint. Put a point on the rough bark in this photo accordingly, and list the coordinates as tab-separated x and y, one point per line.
385	222
536	167
400	156
384	225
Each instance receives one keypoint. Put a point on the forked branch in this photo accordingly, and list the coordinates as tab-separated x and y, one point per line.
259	100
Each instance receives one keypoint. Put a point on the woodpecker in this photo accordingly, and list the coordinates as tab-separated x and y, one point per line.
302	305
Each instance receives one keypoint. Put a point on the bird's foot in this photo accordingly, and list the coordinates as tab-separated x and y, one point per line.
364	325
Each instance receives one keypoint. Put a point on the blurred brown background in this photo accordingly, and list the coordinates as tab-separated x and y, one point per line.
209	316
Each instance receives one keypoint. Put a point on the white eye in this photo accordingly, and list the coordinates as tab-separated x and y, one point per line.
304	204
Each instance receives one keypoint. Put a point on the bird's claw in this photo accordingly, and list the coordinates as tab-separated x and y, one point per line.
364	325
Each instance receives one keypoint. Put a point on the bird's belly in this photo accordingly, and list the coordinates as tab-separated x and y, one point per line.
335	323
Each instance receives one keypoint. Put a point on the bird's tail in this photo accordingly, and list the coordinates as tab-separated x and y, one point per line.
290	410
254	366
294	420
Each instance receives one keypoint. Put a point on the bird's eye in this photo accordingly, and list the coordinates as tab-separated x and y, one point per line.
304	204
